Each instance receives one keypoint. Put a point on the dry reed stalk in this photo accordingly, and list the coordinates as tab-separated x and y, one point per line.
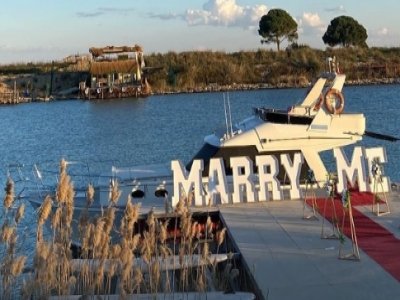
137	279
195	230
115	193
109	220
87	239
9	197
98	232
71	285
63	165
62	188
85	279
125	225
90	195
126	259
134	242
163	232
56	219
44	210
146	247
205	252
209	227
83	223
7	231
155	276
112	268
10	265
99	277
20	213
65	190
164	251
44	269
181	207
220	237
201	284
115	251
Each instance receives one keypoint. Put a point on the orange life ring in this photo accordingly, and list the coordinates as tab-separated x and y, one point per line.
334	101
320	100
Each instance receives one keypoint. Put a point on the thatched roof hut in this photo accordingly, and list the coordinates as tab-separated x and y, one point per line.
108	67
96	52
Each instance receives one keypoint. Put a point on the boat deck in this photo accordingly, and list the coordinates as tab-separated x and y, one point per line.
289	260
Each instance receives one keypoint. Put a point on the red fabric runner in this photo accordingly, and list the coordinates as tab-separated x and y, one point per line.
379	243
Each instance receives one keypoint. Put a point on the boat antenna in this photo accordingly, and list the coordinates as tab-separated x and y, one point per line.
226	116
230	115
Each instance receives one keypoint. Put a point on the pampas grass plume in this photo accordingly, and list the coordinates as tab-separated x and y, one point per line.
6	233
90	194
18	265
44	210
115	193
221	236
20	213
9	197
63	165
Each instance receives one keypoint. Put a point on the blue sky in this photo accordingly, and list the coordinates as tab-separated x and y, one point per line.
43	30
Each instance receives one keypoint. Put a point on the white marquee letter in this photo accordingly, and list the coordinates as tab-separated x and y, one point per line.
353	171
242	179
268	178
183	183
293	172
217	181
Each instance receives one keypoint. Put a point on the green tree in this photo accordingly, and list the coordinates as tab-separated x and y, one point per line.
345	31
276	26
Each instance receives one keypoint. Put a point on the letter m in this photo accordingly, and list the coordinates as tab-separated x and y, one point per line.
184	183
354	171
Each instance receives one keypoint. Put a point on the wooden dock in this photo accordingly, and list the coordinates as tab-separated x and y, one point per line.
9	98
12	96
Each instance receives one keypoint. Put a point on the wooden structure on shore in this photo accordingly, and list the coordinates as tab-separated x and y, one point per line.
115	72
9	96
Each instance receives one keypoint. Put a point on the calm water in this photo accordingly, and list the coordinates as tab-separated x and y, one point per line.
161	128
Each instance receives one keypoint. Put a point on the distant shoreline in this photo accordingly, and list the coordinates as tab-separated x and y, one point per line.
250	87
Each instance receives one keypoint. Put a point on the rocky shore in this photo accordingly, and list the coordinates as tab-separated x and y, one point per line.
33	87
244	87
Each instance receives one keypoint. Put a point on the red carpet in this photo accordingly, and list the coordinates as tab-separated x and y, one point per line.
379	243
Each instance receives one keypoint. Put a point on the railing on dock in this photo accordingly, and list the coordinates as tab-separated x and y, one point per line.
11	97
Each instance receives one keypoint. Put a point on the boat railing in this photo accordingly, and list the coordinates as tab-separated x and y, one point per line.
44	177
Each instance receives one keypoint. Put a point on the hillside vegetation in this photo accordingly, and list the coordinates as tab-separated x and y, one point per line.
210	70
291	68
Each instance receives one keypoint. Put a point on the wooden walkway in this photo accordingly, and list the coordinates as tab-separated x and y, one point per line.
289	260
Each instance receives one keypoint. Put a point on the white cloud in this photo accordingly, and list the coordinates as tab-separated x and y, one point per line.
312	20
382	31
166	16
383	37
226	13
105	10
338	9
310	24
